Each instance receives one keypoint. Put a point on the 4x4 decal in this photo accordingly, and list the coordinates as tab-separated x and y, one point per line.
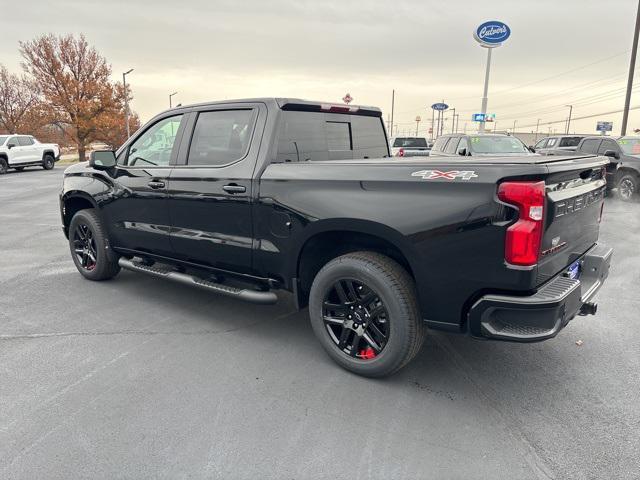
451	175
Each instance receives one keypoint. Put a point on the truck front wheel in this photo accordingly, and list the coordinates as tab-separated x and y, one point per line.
364	312
88	245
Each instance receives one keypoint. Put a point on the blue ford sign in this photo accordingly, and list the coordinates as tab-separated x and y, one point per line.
492	34
439	106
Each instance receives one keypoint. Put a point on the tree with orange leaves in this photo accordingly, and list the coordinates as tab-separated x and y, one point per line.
74	80
20	106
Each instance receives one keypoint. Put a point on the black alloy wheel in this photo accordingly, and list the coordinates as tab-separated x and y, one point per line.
627	187
356	319
84	247
48	163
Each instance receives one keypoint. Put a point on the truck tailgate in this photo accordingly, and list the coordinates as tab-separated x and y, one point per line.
575	190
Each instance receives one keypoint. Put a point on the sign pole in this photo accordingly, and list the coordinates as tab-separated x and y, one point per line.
433	117
483	110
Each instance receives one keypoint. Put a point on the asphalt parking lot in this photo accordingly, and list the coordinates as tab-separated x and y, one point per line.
142	378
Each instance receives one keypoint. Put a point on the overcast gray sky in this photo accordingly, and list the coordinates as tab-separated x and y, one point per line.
217	49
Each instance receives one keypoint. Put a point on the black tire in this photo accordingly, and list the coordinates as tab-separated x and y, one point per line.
48	162
89	253
628	187
4	166
395	290
19	169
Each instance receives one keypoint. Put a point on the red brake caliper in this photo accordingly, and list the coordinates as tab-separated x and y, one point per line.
367	353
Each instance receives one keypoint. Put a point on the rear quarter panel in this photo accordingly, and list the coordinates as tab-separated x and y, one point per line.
450	231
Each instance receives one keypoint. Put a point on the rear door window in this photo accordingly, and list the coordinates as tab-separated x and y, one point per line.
221	137
590	145
440	144
24	141
451	146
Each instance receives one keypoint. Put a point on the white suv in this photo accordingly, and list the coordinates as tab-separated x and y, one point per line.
19	151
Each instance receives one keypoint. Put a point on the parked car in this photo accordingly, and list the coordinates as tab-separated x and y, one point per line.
478	145
409	146
252	196
20	151
623	172
557	145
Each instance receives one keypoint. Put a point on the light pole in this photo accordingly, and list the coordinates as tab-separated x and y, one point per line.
171	95
453	120
418	118
126	99
537	125
632	67
569	120
514	127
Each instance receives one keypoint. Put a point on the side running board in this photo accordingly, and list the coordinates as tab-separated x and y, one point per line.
248	295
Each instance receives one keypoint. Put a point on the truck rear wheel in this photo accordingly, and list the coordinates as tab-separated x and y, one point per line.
627	186
4	166
364	311
88	245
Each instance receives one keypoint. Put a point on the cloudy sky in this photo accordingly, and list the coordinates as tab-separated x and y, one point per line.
560	52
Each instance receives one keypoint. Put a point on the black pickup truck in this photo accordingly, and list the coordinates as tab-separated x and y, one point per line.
247	197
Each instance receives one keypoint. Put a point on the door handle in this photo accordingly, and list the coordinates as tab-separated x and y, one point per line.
155	184
234	188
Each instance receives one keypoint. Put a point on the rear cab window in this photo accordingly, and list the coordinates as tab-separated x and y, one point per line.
569	141
316	136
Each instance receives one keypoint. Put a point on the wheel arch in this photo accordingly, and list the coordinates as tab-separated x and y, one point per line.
332	238
48	151
71	203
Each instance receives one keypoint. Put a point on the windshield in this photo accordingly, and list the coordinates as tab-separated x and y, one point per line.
630	145
489	144
410	142
3	138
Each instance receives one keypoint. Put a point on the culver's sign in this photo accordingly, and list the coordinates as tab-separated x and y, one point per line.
492	34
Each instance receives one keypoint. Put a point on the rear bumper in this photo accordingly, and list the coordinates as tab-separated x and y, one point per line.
542	315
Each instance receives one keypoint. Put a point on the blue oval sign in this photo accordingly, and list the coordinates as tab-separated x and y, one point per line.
492	34
439	106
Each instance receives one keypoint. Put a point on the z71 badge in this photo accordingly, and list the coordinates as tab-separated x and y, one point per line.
452	175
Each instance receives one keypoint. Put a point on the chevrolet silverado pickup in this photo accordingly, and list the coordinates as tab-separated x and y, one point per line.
20	151
244	198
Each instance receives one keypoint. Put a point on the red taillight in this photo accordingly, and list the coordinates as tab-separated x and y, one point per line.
522	244
400	153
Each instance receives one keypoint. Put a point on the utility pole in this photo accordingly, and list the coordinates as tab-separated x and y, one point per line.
569	119
126	99
171	95
514	127
433	117
453	120
632	66
393	101
457	122
537	125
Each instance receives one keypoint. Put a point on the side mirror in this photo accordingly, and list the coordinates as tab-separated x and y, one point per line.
102	159
612	154
462	152
11	145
